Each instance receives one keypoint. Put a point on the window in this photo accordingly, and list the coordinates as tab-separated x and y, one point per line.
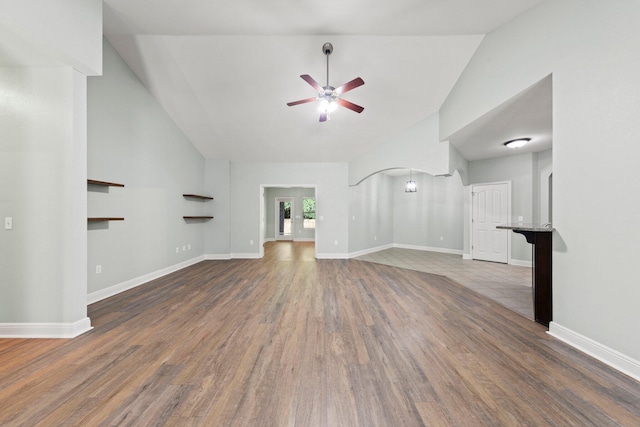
309	212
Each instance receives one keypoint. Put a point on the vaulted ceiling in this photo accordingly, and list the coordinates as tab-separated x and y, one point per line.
224	71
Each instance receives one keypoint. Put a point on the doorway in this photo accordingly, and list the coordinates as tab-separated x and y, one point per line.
284	218
490	207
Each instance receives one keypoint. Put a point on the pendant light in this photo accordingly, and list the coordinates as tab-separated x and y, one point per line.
410	186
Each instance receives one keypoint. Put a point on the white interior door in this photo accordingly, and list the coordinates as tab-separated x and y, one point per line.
490	207
284	218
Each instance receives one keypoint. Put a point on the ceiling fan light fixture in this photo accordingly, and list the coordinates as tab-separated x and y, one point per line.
328	106
517	143
328	96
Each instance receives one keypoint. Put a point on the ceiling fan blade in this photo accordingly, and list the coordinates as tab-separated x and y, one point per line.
307	78
323	116
350	85
302	101
350	105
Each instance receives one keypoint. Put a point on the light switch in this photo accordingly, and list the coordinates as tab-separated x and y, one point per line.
8	223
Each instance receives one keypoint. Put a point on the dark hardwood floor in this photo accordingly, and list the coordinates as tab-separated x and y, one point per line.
289	340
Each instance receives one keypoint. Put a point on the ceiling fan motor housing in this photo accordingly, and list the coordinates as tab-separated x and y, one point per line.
327	48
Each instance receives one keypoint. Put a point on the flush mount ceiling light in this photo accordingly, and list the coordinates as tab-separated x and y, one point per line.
329	96
410	186
517	143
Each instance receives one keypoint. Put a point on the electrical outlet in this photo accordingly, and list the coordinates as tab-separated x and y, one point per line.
375	237
251	242
184	248
177	249
335	242
520	219
8	223
189	246
98	269
441	238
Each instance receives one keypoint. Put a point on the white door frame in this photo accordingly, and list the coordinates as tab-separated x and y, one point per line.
471	215
262	218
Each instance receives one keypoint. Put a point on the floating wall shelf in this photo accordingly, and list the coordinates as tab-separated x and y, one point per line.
104	183
197	196
200	198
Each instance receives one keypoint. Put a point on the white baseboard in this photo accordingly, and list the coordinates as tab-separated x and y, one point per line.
255	255
332	256
45	330
402	246
517	262
613	358
295	239
521	263
217	257
429	249
369	251
132	283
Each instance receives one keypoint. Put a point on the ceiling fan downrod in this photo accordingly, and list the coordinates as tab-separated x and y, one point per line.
327	49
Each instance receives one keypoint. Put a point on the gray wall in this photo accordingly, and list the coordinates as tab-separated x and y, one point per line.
435	211
217	233
371	213
299	232
43	188
43	171
417	147
590	47
134	142
542	191
330	181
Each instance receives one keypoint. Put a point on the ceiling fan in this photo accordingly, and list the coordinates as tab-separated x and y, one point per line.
329	96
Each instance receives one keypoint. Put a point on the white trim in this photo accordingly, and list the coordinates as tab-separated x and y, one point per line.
216	257
611	357
369	251
467	256
262	216
403	246
521	263
332	256
252	255
132	283
45	330
429	249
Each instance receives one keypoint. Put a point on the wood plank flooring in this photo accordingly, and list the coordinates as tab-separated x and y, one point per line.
293	341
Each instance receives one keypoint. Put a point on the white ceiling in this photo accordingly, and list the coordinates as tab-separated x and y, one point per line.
528	114
224	71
